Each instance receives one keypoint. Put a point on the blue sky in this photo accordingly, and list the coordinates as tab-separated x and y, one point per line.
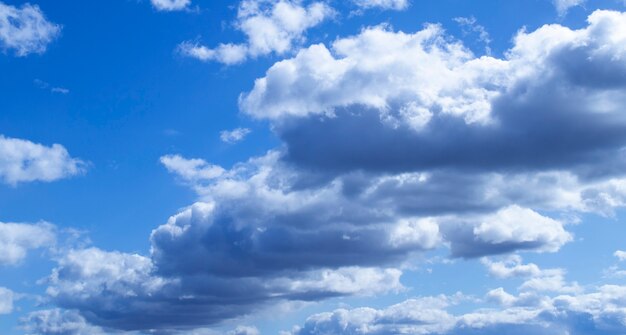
312	167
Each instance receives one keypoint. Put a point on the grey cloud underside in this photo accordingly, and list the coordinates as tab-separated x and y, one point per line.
555	101
547	123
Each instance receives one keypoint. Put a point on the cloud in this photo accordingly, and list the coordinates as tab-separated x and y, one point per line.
511	228
6	300
25	30
563	6
58	322
46	86
598	312
621	255
471	26
191	170
243	330
131	292
270	26
382	4
234	136
511	267
469	154
25	161
427	103
16	239
170	5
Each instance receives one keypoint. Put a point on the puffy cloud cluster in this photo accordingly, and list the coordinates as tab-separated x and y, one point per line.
25	30
395	144
270	26
58	322
25	161
16	239
428	103
202	271
170	5
602	311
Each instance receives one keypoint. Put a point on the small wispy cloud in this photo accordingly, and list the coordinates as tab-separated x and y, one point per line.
235	135
470	25
563	6
47	86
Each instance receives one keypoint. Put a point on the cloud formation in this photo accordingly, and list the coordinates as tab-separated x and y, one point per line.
170	5
16	239
24	161
427	103
6	300
563	6
270	26
601	311
58	322
382	4
469	154
235	135
25	30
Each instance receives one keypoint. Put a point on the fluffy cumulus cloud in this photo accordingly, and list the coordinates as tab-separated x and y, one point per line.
382	4
25	30
270	26
6	300
427	103
24	161
170	5
204	269
16	239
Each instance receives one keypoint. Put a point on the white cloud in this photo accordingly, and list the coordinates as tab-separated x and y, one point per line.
383	70
58	322
404	89
521	225
270	26
170	5
536	279
16	239
25	161
470	25
244	330
461	152
563	6
54	89
234	136
6	300
599	312
191	170
511	267
382	4
25	30
621	255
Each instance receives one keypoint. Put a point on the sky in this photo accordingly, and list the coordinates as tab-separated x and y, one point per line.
313	167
